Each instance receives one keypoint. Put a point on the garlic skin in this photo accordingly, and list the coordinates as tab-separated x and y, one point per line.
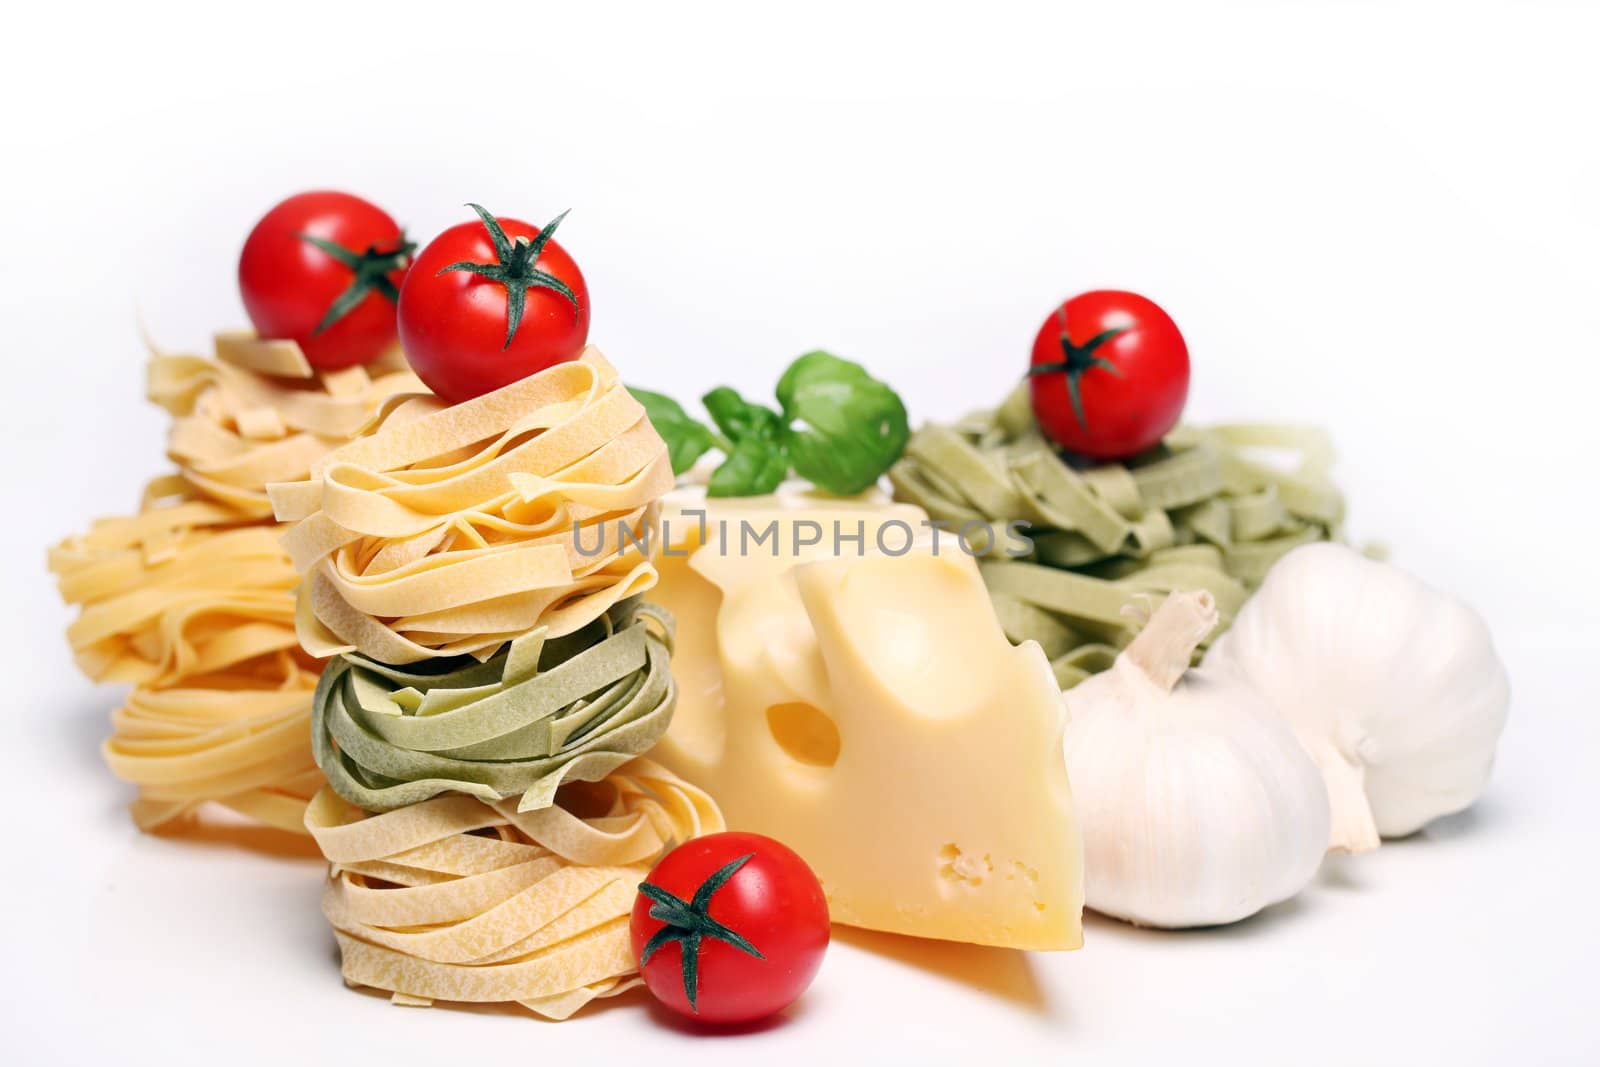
1197	804
1393	687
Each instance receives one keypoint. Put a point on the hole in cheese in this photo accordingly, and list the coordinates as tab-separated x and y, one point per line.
957	867
805	733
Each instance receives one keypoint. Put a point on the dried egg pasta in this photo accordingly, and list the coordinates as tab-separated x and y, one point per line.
199	616
192	599
453	899
452	530
258	413
238	738
173	593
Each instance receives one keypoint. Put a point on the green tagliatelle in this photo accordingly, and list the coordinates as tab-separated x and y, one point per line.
1202	511
537	714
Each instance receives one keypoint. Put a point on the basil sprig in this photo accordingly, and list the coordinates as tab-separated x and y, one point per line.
835	426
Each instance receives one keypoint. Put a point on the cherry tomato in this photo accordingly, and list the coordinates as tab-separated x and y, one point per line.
730	928
324	269
489	303
1110	375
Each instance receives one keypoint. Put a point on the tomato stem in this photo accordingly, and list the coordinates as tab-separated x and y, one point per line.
1079	359
688	922
372	269
516	268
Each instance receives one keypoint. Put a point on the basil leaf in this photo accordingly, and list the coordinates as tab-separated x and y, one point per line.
687	440
755	467
737	418
851	427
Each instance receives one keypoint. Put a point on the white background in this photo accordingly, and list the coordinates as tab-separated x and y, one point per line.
1378	217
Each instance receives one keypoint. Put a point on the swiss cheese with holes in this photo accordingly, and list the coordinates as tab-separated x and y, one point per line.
863	706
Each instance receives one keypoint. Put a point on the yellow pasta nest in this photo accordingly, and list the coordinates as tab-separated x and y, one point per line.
454	899
199	616
258	413
450	531
192	599
175	592
237	739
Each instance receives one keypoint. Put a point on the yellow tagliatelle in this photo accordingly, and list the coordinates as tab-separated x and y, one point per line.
192	599
453	899
175	592
451	531
258	413
237	739
199	616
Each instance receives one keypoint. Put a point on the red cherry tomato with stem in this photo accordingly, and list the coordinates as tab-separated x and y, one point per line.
730	928
324	270
488	303
1110	375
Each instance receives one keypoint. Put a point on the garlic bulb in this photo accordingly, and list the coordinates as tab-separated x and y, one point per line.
1393	687
1197	804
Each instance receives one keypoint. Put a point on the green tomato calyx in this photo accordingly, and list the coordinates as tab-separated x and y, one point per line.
371	269
688	922
516	268
1077	360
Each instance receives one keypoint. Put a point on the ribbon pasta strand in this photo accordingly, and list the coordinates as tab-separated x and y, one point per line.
455	899
1203	511
449	531
199	616
235	739
258	413
191	600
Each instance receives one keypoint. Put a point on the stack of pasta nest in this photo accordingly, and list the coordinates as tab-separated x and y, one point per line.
1074	553
190	599
474	572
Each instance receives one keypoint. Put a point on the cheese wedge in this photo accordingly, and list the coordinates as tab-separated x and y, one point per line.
866	709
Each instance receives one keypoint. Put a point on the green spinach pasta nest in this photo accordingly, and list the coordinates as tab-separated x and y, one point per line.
534	715
1073	551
